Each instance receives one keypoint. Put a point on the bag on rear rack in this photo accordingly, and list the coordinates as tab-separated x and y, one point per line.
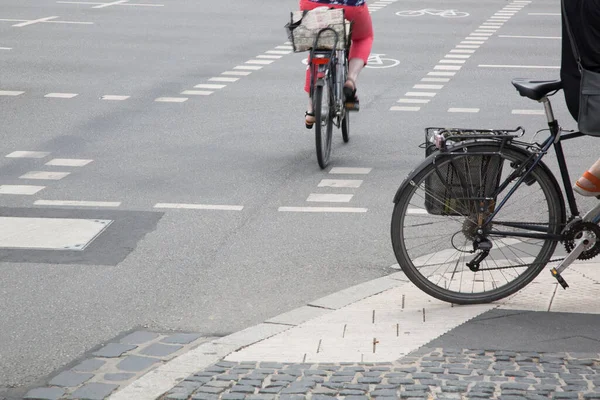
305	25
461	183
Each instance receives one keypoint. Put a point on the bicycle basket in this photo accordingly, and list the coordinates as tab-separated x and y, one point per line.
459	186
304	26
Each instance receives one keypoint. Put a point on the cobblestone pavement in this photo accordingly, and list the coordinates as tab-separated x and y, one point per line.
114	365
425	374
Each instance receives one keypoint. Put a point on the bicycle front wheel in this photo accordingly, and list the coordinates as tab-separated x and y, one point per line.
323	122
435	224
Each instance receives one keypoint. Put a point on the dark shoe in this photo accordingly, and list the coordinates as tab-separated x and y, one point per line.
309	119
350	99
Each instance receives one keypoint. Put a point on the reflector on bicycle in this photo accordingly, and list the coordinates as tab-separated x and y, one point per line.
319	61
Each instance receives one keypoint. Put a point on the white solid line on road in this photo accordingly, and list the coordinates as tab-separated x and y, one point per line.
546	14
350	170
20	189
414	101
35	21
111	4
518	66
447	67
329	198
171	99
10	93
441	73
238	73
420	94
77	203
114	97
45	175
61	95
403	108
340	183
323	209
5	48
183	206
248	67
262	62
197	92
277	52
224	79
434	87
530	37
528	112
68	162
209	86
27	154
463	110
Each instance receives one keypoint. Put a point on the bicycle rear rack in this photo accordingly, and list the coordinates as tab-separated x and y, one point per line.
444	138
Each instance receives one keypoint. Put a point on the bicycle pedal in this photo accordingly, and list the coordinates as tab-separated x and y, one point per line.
559	278
352	106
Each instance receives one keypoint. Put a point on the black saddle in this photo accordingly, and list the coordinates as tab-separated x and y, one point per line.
535	90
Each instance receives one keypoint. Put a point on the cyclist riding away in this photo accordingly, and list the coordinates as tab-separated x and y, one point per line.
362	42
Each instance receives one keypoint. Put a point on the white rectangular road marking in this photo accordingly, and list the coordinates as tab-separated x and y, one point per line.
68	162
20	189
451	61
323	209
61	95
27	154
49	233
329	198
237	73
248	67
462	51
171	99
447	67
434	87
340	183
269	56
224	79
441	73
10	93
546	14
435	80
77	203
197	92
110	4
528	112
348	170
463	110
463	56
262	62
414	101
278	52
209	86
45	175
402	108
530	37
5	48
287	47
35	21
416	211
480	34
420	94
518	66
183	206
114	97
466	45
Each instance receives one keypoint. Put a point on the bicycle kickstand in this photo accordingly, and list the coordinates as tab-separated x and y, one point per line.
581	245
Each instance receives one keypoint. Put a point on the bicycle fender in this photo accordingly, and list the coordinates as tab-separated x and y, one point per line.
411	175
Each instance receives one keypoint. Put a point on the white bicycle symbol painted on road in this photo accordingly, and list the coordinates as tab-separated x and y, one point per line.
375	61
431	11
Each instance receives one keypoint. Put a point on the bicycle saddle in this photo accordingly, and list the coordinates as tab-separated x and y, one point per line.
535	90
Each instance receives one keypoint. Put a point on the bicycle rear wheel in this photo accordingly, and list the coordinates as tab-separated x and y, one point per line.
433	233
323	108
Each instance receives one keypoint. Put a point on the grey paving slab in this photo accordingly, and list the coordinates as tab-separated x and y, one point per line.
139	337
70	379
93	391
89	365
113	350
118	376
181	338
45	394
136	363
160	350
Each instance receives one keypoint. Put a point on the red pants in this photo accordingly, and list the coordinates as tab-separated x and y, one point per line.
362	31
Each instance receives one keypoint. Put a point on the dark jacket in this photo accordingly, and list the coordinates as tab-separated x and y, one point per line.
584	19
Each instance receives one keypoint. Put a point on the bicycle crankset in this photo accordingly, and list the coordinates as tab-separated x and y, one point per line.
575	231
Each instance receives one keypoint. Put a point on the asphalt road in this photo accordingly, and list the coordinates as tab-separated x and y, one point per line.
218	271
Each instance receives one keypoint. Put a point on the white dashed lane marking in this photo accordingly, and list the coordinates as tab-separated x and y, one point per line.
45	175
61	95
27	154
26	190
340	183
529	112
77	203
171	99
114	97
68	162
329	198
323	209
197	92
199	206
349	170
10	93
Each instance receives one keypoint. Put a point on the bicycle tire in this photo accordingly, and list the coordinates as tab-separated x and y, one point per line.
424	241
346	126
323	123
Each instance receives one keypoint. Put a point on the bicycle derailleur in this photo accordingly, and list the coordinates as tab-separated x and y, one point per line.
582	241
472	229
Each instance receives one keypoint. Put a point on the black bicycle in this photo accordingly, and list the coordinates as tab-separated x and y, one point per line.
328	69
481	217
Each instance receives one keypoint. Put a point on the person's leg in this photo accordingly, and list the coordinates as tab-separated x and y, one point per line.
362	42
589	183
